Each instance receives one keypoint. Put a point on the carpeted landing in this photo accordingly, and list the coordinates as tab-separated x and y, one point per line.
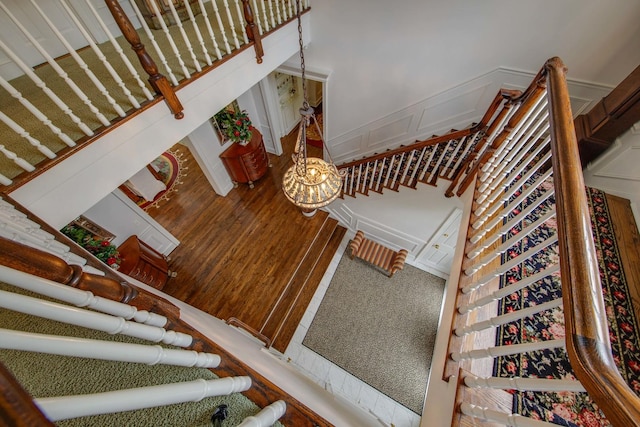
49	375
380	329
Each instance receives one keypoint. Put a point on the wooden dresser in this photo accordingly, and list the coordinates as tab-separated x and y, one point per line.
246	163
143	263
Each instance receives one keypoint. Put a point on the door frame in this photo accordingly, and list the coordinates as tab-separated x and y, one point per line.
270	96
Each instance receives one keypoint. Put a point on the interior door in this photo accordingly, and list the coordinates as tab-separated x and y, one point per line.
440	249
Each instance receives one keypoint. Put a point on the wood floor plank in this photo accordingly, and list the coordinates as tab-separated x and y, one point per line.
237	252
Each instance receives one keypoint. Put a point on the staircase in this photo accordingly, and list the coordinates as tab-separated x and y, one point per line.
452	157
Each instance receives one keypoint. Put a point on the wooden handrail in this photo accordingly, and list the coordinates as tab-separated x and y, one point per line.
587	338
526	101
16	406
158	81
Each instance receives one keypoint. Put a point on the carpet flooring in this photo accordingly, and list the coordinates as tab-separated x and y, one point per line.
44	375
379	329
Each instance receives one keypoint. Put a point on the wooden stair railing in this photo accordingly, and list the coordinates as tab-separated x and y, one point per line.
15	408
518	263
446	156
587	332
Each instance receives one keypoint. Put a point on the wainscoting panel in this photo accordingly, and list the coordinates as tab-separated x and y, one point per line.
454	108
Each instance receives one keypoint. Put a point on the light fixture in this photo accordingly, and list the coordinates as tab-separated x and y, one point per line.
310	183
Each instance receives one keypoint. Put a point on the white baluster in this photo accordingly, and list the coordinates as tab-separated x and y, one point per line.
506	350
509	289
23	133
16	159
232	25
267	416
114	74
196	29
428	162
389	168
241	20
519	132
509	420
187	42
267	27
39	83
90	319
408	166
125	59
490	207
205	15
505	228
36	112
77	297
85	99
278	16
383	162
400	165
273	22
507	318
167	33
216	11
506	211
468	142
64	407
491	163
515	173
365	181
508	243
4	180
105	350
416	169
524	384
510	264
256	14
436	167
154	43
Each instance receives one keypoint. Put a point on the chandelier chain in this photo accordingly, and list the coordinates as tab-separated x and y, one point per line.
305	103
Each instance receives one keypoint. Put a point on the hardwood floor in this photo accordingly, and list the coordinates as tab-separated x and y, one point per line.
628	239
239	253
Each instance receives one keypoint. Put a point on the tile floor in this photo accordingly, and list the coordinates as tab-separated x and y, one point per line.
334	378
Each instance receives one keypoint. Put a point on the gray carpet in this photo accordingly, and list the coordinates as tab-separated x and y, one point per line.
381	330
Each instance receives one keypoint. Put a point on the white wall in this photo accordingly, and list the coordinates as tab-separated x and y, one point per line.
617	170
406	219
384	56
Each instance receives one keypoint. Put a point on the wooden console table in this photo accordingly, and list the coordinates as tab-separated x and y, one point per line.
246	163
143	263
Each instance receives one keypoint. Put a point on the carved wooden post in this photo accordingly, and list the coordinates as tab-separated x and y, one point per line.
50	267
252	31
159	82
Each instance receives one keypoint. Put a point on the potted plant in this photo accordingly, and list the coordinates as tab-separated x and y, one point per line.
100	248
234	125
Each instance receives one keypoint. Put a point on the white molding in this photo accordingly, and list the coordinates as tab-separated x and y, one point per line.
454	108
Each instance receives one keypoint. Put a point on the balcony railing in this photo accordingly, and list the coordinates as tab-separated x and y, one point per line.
73	71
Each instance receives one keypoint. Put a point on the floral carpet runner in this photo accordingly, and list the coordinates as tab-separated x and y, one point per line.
564	408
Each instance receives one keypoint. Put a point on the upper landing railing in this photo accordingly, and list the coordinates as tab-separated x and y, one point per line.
73	69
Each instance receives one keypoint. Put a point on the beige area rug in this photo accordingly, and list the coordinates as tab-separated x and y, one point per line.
381	330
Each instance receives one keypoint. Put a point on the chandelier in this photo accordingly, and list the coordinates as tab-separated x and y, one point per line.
310	183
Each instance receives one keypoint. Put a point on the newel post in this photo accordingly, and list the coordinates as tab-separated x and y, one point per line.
252	31
159	82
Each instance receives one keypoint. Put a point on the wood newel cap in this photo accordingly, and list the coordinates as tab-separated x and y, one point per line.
33	261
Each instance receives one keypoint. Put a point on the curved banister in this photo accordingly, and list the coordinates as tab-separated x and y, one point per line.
587	338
